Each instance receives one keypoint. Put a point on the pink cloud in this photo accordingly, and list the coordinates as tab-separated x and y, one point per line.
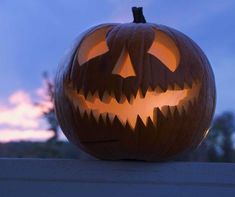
20	111
21	118
7	135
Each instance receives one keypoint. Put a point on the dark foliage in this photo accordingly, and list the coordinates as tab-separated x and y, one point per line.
49	114
39	150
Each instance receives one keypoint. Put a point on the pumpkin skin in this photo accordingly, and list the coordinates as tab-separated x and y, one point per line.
101	104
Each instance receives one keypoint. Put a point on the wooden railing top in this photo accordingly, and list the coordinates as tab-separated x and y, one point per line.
47	177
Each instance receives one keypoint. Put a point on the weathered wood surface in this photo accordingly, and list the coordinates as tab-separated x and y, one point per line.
41	177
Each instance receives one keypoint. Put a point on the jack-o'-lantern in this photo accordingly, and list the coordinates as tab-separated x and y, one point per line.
135	91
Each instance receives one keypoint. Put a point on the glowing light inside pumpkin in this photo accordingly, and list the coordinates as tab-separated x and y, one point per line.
142	106
124	67
93	45
165	49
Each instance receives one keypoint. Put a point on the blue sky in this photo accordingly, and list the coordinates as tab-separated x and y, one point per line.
34	35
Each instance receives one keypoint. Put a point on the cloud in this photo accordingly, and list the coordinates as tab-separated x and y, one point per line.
7	135
21	119
20	112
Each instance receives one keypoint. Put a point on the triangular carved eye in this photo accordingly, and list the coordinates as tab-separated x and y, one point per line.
93	45
165	49
124	67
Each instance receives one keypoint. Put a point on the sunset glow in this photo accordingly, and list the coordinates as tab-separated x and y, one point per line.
20	112
8	135
21	118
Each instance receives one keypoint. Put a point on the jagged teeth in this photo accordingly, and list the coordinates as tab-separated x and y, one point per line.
170	87
177	87
89	97
96	115
104	115
158	112
81	111
122	99
139	94
186	105
81	92
187	86
172	109
131	99
111	117
100	94
180	109
154	118
165	110
158	89
105	95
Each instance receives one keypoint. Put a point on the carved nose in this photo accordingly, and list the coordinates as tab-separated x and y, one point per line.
124	67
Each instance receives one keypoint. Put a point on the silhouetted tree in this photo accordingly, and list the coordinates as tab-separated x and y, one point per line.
49	112
219	141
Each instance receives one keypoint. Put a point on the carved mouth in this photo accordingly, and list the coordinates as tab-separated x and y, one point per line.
173	98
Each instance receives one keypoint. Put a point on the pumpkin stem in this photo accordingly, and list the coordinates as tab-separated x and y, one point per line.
138	15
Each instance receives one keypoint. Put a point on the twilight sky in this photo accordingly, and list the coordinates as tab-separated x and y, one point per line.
34	36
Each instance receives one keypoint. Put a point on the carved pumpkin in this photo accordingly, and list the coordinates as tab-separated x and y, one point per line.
135	91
